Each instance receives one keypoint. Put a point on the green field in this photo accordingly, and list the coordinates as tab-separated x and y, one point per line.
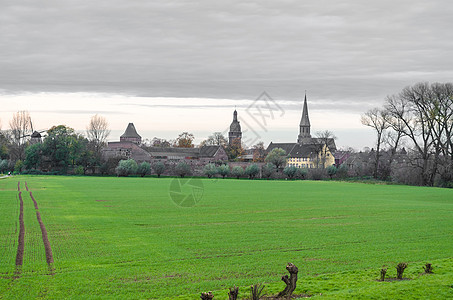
126	238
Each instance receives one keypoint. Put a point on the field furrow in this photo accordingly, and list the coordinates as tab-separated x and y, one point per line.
45	239
21	241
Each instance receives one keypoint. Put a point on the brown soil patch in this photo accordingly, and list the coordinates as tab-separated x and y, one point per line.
45	239
21	242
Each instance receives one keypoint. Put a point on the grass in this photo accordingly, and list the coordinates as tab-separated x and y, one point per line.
125	238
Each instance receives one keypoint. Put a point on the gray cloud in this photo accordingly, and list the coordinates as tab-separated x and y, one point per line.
348	51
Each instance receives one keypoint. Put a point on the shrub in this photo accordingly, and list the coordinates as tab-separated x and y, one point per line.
158	168
400	270
342	171
302	173
268	170
237	171
109	166
143	169
126	167
317	174
251	171
331	170
290	172
223	170
3	166
18	166
210	170
79	170
182	169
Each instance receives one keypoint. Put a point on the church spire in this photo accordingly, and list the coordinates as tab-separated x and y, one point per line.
304	126
305	121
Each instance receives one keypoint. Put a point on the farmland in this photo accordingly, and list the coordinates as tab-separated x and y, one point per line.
126	238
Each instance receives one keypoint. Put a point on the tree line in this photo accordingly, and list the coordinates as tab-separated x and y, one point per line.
62	148
420	119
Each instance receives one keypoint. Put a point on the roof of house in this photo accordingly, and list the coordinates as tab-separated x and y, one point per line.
205	151
303	149
131	132
209	151
300	150
173	151
330	143
285	146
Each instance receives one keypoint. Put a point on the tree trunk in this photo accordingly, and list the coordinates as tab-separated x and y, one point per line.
289	281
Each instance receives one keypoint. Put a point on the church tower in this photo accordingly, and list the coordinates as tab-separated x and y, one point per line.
304	126
235	130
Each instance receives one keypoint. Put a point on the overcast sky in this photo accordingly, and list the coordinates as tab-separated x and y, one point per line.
173	66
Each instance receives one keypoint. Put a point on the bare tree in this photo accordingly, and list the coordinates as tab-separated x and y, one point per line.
442	115
378	120
21	129
98	132
415	109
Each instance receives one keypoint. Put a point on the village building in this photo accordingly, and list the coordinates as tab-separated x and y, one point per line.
307	152
129	148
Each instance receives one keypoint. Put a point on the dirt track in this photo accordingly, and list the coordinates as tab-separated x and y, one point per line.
45	239
21	243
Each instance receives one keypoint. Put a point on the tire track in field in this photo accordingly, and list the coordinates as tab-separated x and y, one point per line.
21	242
45	239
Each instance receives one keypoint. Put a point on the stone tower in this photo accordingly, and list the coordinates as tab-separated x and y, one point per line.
131	135
235	129
304	126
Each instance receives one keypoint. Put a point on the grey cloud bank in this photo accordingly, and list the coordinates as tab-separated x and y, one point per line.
356	50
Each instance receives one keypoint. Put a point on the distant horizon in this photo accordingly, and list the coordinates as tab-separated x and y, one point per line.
152	119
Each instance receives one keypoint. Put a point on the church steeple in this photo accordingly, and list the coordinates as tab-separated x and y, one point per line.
235	133
304	126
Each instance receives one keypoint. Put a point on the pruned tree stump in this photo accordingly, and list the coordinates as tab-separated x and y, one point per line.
400	270
383	272
207	296
289	281
233	293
